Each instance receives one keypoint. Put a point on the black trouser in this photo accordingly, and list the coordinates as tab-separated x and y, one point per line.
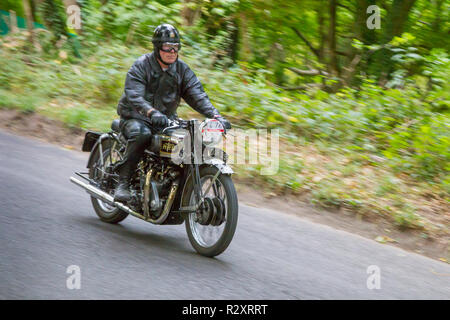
138	133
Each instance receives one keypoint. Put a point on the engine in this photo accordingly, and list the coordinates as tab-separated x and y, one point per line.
157	185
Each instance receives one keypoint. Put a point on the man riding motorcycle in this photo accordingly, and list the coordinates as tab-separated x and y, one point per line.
153	88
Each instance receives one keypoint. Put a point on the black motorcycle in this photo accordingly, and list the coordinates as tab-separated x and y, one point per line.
183	177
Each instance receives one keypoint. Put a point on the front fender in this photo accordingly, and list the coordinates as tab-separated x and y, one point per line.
219	164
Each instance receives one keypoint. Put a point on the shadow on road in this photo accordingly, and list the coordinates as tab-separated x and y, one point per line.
169	243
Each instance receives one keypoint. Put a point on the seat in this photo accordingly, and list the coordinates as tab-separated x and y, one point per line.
115	125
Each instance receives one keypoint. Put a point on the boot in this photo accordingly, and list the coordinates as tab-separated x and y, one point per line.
122	193
139	137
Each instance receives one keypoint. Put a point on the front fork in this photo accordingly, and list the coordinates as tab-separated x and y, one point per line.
199	198
194	169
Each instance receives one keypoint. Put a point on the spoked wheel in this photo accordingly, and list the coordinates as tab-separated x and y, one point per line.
98	172
211	229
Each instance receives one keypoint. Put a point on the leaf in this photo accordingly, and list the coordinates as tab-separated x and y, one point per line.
76	70
384	239
414	56
317	179
357	44
218	11
398	58
397	50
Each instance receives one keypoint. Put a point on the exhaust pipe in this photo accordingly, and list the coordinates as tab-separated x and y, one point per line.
101	195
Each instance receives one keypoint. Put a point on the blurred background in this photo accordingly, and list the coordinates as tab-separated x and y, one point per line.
360	94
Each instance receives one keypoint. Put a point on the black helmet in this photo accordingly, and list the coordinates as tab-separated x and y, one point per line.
164	33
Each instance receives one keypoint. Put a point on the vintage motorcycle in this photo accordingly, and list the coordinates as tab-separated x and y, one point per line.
182	177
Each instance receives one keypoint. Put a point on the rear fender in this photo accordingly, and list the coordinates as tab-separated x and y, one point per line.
102	143
90	138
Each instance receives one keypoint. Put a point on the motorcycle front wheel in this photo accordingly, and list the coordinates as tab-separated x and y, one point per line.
212	239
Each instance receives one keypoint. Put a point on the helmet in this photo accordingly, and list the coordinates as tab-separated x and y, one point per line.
164	33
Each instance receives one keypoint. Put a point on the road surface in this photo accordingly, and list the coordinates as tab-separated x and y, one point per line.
48	224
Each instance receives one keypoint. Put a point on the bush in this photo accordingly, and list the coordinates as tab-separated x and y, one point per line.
76	118
24	103
403	125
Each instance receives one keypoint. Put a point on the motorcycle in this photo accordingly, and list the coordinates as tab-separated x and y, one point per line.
182	177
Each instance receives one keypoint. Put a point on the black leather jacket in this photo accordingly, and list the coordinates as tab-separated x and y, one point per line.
147	86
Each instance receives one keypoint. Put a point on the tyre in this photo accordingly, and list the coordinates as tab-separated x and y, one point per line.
212	239
105	211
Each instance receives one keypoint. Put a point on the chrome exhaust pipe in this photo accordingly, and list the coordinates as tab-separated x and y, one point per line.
93	191
101	195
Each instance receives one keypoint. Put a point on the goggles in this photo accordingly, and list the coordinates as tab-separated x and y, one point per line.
168	46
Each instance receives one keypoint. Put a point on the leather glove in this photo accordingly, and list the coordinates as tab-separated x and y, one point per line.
158	119
226	124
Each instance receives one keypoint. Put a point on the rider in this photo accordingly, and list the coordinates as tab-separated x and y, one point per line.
153	88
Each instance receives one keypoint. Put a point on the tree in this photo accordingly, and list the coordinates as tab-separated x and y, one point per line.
29	20
394	24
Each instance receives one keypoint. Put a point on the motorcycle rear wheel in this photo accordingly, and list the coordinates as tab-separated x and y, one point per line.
104	211
198	234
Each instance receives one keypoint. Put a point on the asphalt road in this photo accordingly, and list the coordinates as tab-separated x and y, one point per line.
48	224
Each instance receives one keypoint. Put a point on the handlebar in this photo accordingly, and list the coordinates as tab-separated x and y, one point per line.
174	124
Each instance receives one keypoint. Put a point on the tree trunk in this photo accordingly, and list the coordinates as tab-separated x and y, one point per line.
245	51
396	19
29	20
188	13
436	30
234	44
322	36
437	21
33	5
333	64
362	32
13	22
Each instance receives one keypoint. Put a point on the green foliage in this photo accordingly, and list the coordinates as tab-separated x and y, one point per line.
14	5
423	148
130	21
332	193
54	17
26	104
399	124
407	218
76	117
395	123
388	185
240	51
327	195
